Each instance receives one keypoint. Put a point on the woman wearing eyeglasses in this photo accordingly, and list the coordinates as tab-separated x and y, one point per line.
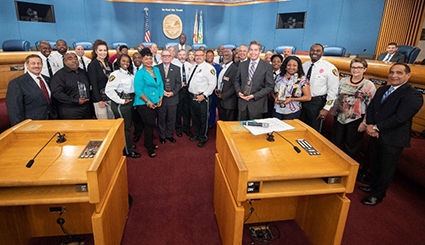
354	95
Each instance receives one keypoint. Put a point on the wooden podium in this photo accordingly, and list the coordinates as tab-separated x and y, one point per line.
93	191
290	183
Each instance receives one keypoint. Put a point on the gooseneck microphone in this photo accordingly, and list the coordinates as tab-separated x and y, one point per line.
61	139
270	137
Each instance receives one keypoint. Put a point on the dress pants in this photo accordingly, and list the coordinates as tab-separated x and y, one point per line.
213	111
125	111
247	115
166	120
148	117
310	111
138	123
226	114
347	137
75	112
183	110
383	159
199	112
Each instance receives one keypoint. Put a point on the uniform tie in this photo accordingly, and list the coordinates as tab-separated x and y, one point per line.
252	70
84	65
49	67
184	74
309	71
44	89
387	93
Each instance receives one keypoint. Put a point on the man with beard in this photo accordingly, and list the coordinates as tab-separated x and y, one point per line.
46	58
57	58
227	103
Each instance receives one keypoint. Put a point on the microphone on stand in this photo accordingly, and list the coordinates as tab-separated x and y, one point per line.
270	138
61	139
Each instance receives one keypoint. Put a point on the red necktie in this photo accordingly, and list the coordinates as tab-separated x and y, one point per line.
43	88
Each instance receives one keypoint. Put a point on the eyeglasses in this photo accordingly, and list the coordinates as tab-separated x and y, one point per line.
357	67
166	56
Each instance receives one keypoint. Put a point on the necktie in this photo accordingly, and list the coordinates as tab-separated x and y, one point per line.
43	88
309	71
84	65
251	70
221	59
166	71
137	68
191	75
387	93
387	58
154	58
183	74
49	67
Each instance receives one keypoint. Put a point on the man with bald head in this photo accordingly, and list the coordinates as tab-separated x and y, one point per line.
219	58
45	51
155	56
70	87
83	60
182	44
242	53
57	57
286	52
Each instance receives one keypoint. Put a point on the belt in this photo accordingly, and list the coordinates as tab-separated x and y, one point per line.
320	97
124	96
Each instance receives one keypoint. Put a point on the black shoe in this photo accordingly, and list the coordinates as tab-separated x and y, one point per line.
366	189
194	138
371	201
187	133
172	140
162	141
202	143
134	155
179	134
364	178
134	147
136	138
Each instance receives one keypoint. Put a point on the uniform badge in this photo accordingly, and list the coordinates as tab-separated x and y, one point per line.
335	72
330	101
226	78
111	78
213	71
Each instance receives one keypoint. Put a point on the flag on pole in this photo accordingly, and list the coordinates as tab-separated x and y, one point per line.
200	32
147	32
195	29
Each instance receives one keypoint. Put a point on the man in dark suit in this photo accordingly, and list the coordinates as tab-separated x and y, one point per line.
389	122
227	103
172	84
254	80
28	96
391	55
182	45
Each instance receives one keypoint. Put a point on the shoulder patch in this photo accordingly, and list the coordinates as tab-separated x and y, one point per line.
329	102
335	72
212	71
111	78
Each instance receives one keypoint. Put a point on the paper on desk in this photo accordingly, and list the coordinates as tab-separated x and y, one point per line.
274	125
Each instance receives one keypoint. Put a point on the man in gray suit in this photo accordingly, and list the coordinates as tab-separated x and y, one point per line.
172	84
391	55
28	96
254	80
182	45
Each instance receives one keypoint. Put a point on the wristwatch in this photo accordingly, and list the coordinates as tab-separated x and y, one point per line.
375	128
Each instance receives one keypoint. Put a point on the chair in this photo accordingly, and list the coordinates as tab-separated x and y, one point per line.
337	51
410	53
86	45
147	45
114	45
52	44
16	45
196	46
279	49
167	45
229	46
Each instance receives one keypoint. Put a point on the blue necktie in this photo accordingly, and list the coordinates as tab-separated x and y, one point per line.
387	93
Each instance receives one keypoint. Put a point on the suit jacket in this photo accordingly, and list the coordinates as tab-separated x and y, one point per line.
25	100
186	47
397	57
229	99
262	84
175	83
394	116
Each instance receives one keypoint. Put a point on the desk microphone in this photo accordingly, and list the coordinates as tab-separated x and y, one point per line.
61	139
270	137
255	124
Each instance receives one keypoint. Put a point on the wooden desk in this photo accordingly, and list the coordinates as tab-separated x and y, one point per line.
291	184
26	194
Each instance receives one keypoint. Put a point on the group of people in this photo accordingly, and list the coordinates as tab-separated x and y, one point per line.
183	86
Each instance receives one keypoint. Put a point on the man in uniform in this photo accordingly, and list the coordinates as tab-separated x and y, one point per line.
254	80
170	74
389	124
70	87
57	58
83	60
202	83
183	107
227	103
324	81
28	96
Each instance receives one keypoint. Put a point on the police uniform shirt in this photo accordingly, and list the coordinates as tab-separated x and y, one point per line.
187	68
204	79
86	62
324	80
56	62
120	81
176	62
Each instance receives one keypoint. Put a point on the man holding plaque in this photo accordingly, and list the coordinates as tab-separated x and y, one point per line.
172	85
254	80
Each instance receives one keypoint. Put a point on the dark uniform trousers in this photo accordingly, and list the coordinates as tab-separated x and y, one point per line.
311	109
199	112
183	110
125	111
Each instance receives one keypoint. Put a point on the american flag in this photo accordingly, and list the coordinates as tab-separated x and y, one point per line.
147	32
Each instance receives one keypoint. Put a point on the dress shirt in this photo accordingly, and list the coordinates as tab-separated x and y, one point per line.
38	82
221	75
86	62
56	62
